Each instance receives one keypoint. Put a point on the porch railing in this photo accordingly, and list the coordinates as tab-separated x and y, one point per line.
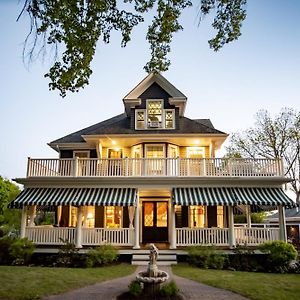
50	235
202	236
166	167
255	236
113	236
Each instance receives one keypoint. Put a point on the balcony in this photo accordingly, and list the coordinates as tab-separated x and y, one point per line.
154	167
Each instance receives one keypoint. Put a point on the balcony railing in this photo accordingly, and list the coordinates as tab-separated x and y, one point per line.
164	167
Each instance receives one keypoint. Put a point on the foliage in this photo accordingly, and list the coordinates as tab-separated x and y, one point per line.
40	282
21	250
206	257
258	217
135	288
68	255
275	138
169	289
102	255
280	254
252	285
15	250
74	27
45	218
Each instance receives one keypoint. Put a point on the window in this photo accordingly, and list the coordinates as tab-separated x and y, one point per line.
220	218
169	119
113	216
140	119
154	116
197	216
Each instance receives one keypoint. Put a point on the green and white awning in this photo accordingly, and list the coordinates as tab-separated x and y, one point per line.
231	196
76	197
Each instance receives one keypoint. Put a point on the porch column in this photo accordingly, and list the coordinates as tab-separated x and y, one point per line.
231	234
248	215
137	227
58	214
173	229
32	214
282	225
79	228
131	216
23	221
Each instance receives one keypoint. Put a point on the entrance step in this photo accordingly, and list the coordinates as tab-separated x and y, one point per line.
165	258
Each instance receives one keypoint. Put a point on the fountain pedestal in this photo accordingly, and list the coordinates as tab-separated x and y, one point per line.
152	278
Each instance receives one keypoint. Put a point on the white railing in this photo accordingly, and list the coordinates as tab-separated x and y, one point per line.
255	236
130	167
50	235
113	236
202	236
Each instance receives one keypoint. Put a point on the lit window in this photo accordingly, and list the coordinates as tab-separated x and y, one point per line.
154	109
113	216
220	218
140	119
169	119
197	216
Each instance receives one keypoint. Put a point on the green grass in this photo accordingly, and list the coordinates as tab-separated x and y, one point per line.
256	286
37	282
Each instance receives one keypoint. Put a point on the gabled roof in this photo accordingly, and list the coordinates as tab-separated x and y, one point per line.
148	81
120	124
177	98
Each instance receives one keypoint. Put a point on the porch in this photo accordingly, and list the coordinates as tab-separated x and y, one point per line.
149	167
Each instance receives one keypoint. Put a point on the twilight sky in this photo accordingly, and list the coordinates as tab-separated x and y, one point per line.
259	71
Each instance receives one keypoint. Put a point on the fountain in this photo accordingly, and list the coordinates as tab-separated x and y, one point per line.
152	278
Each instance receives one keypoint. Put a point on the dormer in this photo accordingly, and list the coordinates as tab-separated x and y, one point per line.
154	104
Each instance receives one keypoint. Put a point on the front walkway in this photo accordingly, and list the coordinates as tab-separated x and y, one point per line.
109	290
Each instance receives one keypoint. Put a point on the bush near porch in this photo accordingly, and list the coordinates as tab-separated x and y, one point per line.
277	257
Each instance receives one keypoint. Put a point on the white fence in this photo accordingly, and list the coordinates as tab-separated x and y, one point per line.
113	236
202	236
130	167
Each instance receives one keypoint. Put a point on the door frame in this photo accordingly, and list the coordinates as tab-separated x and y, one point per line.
154	199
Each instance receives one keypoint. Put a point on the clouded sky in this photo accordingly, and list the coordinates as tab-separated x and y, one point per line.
259	71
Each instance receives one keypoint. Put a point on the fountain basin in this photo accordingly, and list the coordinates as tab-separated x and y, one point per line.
161	276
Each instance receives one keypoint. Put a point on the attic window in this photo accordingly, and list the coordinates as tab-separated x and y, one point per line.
154	111
140	118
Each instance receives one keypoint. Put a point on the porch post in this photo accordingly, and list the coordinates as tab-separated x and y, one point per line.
231	234
32	215
58	214
173	229
137	226
23	221
248	215
79	228
282	225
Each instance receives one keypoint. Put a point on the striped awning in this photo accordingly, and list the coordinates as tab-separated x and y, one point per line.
76	197
231	196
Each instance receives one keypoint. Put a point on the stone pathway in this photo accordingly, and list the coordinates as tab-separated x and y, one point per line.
108	290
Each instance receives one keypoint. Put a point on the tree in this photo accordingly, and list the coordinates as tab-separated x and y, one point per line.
277	137
8	192
74	28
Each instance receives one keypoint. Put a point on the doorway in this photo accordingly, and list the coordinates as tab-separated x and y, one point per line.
155	221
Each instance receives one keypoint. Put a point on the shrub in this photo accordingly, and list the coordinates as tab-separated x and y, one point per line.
5	244
67	255
135	288
101	255
169	290
206	257
21	251
280	254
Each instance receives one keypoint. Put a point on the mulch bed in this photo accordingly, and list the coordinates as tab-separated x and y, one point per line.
128	296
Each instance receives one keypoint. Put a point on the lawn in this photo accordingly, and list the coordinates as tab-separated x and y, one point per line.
36	282
256	286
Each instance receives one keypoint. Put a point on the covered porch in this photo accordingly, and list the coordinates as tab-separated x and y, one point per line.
117	216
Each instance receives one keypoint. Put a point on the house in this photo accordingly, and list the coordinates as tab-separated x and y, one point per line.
149	175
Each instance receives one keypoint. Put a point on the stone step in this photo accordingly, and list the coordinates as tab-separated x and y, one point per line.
160	257
159	263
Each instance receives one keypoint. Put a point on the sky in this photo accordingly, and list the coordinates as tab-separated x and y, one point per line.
259	71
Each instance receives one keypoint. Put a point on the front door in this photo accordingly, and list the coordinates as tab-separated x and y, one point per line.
155	221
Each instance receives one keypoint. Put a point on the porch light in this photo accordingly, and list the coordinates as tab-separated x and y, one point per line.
113	142
90	216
